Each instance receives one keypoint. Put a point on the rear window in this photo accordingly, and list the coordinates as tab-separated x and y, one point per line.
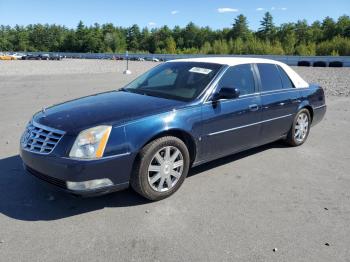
287	83
270	77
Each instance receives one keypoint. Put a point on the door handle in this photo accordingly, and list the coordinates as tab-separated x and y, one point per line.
254	107
282	104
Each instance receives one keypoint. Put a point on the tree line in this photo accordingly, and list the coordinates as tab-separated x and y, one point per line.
327	37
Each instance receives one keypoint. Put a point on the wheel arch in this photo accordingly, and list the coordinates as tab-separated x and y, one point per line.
311	111
183	136
308	107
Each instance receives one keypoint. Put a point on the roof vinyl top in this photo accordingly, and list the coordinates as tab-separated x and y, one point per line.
232	61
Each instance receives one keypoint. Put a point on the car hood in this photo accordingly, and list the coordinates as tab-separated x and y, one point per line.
109	108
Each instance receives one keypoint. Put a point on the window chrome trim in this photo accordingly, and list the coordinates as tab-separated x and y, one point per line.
235	99
278	91
252	124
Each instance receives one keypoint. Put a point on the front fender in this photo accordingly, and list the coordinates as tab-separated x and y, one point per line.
140	132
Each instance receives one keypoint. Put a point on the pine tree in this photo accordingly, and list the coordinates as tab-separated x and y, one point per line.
240	28
267	29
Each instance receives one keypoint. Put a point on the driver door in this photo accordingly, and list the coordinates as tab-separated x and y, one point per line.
231	125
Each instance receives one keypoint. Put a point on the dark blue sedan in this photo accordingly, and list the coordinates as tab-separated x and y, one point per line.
180	114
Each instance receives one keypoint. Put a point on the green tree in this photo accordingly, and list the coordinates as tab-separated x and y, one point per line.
20	39
240	28
133	37
316	31
306	49
326	38
206	48
343	26
302	31
329	28
287	36
170	45
267	29
220	47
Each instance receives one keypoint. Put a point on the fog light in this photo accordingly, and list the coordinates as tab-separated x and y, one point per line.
88	185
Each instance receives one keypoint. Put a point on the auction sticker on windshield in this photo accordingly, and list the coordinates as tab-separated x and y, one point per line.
200	70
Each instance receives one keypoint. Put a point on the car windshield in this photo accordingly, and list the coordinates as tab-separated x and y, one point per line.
175	80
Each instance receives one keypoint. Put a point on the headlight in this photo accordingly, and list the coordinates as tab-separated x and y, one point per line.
91	143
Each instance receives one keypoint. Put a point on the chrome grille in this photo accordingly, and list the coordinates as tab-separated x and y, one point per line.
40	139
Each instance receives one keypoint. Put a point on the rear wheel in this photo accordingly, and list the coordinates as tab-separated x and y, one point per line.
161	168
300	128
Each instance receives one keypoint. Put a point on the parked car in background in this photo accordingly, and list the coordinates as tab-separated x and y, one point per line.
17	56
55	57
30	57
154	59
5	56
44	57
180	114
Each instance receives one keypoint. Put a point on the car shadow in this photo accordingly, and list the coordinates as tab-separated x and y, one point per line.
24	197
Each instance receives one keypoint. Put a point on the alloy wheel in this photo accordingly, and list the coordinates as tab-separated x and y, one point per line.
301	127
165	169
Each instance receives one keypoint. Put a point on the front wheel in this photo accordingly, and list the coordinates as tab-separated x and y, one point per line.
300	128
161	168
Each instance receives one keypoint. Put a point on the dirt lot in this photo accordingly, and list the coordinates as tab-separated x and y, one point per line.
239	208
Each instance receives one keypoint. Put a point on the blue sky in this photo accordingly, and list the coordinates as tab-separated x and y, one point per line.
155	13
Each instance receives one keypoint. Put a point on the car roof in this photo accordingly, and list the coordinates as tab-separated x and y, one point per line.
233	61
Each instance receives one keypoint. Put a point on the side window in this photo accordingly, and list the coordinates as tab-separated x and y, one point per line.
270	77
239	76
287	83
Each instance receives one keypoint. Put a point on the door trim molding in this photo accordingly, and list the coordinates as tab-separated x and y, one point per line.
252	124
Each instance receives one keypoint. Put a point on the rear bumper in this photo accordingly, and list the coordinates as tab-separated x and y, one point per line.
318	114
57	171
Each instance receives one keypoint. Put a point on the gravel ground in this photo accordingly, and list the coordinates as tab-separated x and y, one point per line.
273	203
335	81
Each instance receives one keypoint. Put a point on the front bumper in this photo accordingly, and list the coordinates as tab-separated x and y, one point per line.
58	170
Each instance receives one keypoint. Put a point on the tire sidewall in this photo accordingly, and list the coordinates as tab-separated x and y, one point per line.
146	160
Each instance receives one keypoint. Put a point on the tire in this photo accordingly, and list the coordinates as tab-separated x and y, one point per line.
149	170
295	138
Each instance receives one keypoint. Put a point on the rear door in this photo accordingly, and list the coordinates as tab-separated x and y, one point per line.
230	125
279	100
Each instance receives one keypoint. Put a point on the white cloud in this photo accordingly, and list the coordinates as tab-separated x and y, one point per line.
152	24
272	8
174	12
226	10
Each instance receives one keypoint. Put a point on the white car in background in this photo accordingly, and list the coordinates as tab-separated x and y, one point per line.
17	56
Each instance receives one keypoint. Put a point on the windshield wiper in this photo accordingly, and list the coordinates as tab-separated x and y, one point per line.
130	90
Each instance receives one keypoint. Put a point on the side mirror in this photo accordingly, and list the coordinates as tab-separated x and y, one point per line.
226	93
